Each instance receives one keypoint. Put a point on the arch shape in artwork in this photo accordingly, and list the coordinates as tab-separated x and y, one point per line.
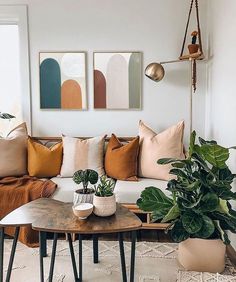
99	90
117	83
135	81
71	95
50	84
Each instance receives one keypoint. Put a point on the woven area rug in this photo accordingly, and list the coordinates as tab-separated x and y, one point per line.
154	262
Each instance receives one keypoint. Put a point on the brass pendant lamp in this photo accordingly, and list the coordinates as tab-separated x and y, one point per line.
156	72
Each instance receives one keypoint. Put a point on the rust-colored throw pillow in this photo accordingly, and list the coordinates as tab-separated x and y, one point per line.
121	160
44	161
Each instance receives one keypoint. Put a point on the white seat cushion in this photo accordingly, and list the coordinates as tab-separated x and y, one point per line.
128	192
65	189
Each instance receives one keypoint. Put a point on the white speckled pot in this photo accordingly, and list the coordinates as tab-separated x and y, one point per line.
80	198
104	206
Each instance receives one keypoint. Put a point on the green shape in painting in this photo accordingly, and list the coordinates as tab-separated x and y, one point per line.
135	81
50	84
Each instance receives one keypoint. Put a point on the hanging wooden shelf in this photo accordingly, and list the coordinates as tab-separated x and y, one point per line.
195	56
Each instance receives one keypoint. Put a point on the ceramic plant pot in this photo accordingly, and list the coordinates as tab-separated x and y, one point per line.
104	206
193	48
202	255
79	197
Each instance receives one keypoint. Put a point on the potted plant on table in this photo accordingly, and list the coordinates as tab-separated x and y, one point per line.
199	211
85	195
6	116
104	200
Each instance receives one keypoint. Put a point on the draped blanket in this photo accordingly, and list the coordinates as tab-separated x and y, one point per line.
17	191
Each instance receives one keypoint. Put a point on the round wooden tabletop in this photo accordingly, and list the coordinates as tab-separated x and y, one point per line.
61	219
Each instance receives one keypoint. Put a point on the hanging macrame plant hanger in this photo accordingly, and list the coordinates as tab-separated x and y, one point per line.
198	55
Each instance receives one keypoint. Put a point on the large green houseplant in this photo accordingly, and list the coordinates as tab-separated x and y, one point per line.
201	194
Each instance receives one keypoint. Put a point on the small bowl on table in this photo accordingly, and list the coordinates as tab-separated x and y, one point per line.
83	210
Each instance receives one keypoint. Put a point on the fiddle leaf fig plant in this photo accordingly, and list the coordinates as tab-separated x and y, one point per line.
199	205
85	177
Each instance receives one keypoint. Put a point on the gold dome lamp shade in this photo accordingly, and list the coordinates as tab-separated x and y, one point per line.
155	72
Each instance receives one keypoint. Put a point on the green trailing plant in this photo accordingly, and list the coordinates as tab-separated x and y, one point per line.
105	187
85	177
201	194
6	116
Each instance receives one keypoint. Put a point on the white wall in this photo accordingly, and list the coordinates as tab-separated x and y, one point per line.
221	98
154	27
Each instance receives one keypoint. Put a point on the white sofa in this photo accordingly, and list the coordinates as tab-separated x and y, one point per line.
127	192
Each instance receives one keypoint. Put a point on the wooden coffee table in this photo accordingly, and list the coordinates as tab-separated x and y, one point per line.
20	217
62	220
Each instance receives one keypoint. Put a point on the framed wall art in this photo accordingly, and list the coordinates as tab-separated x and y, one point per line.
117	80
63	80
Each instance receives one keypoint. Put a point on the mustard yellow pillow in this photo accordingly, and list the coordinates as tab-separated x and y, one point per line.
44	161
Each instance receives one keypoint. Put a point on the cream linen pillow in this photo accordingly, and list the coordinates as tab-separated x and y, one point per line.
13	152
82	154
153	146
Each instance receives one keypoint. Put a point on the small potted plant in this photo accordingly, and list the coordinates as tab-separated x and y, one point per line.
193	48
6	116
104	200
85	195
199	211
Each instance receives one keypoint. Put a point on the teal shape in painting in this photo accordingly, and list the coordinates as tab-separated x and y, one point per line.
50	84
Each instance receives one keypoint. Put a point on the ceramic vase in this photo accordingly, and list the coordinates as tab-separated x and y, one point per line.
79	197
202	255
104	206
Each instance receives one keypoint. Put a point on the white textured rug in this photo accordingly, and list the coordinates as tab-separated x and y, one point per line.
154	262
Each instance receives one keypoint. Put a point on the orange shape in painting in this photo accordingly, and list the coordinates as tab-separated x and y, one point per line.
71	96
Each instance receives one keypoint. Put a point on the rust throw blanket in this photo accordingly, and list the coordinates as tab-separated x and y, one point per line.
17	191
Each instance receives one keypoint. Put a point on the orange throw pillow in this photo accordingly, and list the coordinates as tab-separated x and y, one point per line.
44	161
121	160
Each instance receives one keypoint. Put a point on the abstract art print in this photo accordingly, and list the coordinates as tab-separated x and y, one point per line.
117	80
63	80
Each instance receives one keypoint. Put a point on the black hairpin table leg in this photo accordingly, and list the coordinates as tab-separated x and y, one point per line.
122	257
41	254
13	251
80	258
95	248
54	249
132	263
72	254
1	252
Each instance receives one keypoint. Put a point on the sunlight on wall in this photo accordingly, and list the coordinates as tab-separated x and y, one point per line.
9	76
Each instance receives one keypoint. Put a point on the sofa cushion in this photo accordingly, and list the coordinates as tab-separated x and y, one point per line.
121	160
65	189
153	146
13	152
44	161
129	192
82	154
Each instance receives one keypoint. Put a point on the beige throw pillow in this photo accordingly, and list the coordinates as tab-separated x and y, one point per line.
13	152
153	146
82	154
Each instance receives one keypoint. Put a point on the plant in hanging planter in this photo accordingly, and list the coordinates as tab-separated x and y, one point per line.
85	177
193	48
199	210
104	200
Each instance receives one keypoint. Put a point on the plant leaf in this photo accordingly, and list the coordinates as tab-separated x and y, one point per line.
192	222
209	203
207	229
165	161
153	199
192	143
178	233
6	116
223	207
215	155
173	213
223	235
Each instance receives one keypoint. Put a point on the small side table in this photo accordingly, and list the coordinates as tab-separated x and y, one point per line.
62	220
